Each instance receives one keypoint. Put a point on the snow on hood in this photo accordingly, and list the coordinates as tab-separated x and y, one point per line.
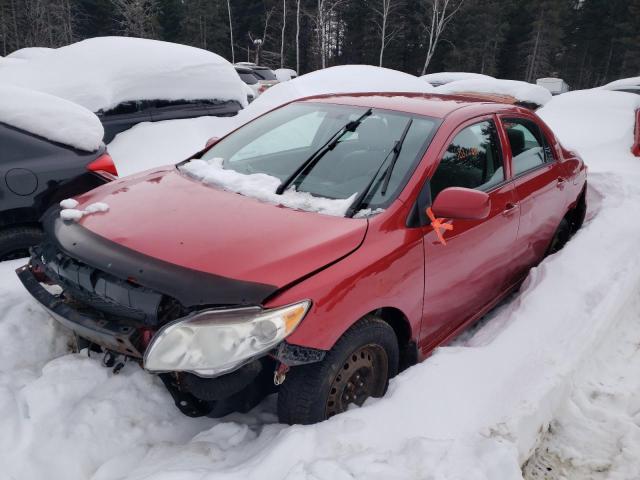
263	187
149	145
584	120
440	78
30	52
624	82
100	73
33	112
521	91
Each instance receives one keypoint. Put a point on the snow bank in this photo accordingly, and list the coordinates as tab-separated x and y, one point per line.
440	78
149	145
100	73
30	53
263	187
588	120
285	74
521	91
50	117
625	82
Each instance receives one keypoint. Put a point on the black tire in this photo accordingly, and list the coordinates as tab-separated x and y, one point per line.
561	237
368	352
15	242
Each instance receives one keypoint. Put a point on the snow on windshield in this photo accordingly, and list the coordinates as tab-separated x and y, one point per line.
150	145
100	73
521	91
33	112
440	78
263	187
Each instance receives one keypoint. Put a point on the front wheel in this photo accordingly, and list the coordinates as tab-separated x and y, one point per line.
359	366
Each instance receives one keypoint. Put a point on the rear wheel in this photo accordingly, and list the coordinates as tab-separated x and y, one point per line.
15	242
561	237
359	366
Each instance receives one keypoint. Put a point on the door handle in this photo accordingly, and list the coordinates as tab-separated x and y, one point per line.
510	208
561	183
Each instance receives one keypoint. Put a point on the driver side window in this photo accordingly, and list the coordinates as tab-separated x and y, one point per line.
472	160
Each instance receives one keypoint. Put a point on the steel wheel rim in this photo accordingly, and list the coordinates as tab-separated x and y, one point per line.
363	374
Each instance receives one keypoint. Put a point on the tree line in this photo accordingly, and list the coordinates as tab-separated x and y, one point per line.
586	42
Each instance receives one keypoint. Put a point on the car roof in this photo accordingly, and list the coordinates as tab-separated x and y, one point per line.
429	104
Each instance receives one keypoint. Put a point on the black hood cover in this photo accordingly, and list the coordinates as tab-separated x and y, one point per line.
191	288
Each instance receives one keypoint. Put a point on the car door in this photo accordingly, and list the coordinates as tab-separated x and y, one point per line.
466	276
540	188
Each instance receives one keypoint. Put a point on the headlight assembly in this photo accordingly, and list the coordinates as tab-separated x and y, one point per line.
213	342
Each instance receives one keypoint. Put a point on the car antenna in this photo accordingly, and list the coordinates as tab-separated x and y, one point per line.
315	157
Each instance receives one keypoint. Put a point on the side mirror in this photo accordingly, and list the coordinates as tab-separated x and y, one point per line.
461	203
212	141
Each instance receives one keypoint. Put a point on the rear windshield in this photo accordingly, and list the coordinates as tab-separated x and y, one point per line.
248	78
265	74
276	145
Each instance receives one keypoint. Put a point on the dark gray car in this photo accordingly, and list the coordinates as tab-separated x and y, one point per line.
35	174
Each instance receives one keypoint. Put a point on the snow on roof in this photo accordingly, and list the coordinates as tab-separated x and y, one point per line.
622	83
285	74
440	78
340	79
100	73
521	91
585	120
30	52
50	117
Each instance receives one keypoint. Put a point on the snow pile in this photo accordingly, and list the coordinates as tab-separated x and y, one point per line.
149	145
50	117
588	120
285	74
622	83
263	187
521	91
70	213
100	73
30	53
440	78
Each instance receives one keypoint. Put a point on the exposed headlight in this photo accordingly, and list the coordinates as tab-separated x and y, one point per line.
213	342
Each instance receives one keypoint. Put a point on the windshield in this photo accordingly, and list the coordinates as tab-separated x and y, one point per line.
273	147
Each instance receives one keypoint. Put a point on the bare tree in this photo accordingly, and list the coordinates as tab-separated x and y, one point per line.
137	18
324	19
259	43
233	55
384	9
442	11
284	23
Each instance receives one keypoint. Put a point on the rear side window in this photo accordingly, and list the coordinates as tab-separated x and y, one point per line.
472	160
529	147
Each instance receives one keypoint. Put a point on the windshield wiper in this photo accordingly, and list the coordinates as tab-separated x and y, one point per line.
315	157
397	148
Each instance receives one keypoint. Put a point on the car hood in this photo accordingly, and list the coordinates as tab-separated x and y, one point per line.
168	222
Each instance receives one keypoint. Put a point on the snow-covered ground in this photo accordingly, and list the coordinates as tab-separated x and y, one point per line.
549	380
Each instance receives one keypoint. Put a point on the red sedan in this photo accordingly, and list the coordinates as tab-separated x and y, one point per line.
316	251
